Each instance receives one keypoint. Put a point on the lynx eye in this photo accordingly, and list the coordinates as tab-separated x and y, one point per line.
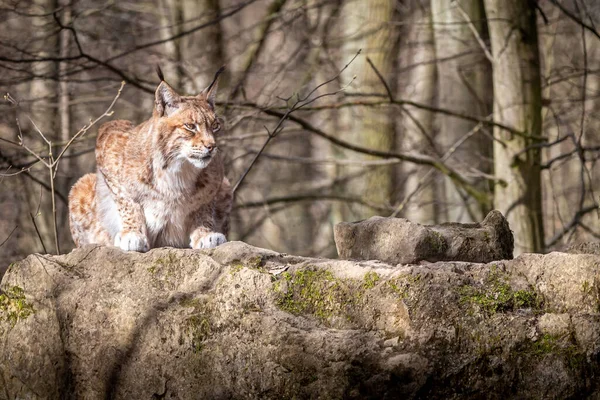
190	127
216	126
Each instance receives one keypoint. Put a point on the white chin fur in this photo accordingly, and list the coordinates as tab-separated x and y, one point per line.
199	163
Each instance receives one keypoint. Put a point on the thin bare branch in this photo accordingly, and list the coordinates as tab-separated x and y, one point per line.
39	235
575	221
9	235
473	29
313	197
299	104
575	18
83	130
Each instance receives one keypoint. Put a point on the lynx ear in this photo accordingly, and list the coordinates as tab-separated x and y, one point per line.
166	100
210	93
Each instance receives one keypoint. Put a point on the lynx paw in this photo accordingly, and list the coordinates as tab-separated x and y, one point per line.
132	241
209	241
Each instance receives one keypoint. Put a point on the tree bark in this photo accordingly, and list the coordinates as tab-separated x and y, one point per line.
419	199
194	58
64	177
171	19
464	79
203	52
367	27
517	103
43	112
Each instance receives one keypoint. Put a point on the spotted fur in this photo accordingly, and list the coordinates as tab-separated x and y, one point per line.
160	183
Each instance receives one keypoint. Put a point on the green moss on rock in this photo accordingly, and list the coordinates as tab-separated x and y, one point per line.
166	262
165	270
314	292
236	267
191	302
497	295
402	284
199	325
371	279
199	328
561	346
254	263
545	344
14	305
591	293
319	293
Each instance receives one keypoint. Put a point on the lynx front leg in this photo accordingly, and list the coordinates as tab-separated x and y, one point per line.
123	217
133	234
203	234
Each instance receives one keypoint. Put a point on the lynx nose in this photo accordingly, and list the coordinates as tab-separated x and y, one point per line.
209	147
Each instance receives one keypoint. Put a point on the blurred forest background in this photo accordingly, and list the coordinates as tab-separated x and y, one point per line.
451	109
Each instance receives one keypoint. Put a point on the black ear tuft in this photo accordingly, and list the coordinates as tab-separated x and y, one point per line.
219	72
159	73
210	93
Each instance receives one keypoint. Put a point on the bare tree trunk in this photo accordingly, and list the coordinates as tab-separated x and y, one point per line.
419	199
171	19
517	103
297	227
64	178
203	52
367	26
464	80
193	58
588	126
557	197
44	93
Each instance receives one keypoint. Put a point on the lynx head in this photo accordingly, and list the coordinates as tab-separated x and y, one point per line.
187	125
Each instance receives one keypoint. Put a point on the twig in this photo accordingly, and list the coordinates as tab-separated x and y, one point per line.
51	162
482	198
589	230
313	197
399	102
575	18
299	103
38	233
256	50
575	221
9	235
475	32
402	108
382	80
6	174
83	130
425	177
335	161
255	225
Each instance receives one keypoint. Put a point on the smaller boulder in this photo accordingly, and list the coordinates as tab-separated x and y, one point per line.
400	241
584	248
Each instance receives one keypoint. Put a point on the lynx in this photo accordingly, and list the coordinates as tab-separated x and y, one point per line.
160	183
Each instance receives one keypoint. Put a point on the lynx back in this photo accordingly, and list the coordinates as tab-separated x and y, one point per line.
160	183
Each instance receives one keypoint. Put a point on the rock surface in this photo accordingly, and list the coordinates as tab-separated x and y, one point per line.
400	241
584	248
243	322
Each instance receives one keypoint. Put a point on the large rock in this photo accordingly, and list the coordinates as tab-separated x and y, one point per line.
400	241
242	322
